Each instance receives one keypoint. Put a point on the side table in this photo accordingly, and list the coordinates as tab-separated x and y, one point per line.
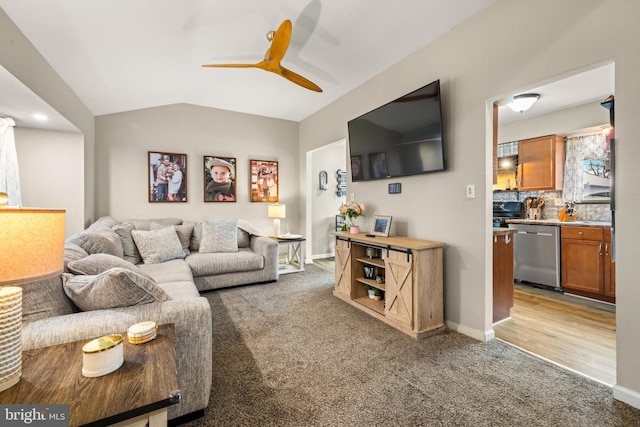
295	254
137	393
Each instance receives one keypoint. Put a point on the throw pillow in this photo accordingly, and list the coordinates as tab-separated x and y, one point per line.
99	242
129	248
99	263
158	245
72	252
183	231
117	287
219	235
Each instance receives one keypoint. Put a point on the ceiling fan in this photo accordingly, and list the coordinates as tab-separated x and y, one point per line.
279	43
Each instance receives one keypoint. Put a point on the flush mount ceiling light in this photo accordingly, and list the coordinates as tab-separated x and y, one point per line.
523	102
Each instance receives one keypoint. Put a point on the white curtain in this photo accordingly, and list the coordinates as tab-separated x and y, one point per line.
577	149
9	172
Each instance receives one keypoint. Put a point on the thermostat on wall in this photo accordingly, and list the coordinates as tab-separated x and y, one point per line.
394	188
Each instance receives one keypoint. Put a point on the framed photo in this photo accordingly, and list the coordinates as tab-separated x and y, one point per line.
340	222
380	225
356	168
378	165
219	179
264	181
167	177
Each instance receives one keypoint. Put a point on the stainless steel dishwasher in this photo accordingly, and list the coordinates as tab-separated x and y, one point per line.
537	254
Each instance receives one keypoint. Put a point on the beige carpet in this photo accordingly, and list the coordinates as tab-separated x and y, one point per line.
291	354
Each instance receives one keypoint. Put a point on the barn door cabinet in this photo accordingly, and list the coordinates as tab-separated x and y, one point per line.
405	273
541	163
587	269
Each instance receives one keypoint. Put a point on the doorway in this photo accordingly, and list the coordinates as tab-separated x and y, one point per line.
576	333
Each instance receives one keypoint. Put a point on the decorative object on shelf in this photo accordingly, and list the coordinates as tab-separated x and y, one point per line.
523	102
351	211
323	180
369	272
371	252
264	181
371	292
167	177
380	225
379	278
219	179
341	177
142	332
33	250
102	355
276	212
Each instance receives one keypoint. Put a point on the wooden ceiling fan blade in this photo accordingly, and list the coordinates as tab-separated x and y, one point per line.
299	80
280	42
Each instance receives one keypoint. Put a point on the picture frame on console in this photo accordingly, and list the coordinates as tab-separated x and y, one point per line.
264	181
380	225
167	176
219	179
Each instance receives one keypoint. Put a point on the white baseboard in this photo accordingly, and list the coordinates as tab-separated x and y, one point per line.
628	396
321	256
484	336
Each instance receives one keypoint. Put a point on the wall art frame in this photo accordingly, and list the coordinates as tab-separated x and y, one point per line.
219	175
166	177
263	178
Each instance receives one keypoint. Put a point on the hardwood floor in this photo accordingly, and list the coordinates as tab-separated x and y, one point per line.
576	333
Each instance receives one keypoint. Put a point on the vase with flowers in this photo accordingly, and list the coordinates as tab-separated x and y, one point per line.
351	211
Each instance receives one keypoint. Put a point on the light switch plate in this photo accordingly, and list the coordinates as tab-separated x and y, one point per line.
471	191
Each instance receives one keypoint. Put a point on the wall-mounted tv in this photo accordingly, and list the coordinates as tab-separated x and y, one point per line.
401	138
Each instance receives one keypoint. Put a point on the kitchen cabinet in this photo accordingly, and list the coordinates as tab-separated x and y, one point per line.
587	269
541	163
502	273
410	280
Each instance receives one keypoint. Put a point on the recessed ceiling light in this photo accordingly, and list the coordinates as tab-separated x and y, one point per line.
39	116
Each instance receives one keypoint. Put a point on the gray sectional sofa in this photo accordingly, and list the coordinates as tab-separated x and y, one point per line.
118	273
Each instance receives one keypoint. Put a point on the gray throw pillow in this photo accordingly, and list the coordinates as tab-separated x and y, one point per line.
117	287
219	235
158	245
99	263
183	231
129	248
99	242
72	252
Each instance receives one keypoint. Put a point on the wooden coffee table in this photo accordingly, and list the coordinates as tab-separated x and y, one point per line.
139	391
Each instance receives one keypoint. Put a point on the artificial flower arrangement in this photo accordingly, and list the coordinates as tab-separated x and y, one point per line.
350	211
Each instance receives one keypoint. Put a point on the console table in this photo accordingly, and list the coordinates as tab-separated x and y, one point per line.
136	393
406	273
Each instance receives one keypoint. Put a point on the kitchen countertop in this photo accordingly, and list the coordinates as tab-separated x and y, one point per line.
553	221
499	231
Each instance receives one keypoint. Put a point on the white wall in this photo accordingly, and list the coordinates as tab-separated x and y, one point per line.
124	139
325	203
52	173
478	62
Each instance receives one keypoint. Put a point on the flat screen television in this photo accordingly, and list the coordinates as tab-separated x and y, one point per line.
401	138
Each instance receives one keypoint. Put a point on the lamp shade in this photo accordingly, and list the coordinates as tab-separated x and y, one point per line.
523	102
277	211
32	246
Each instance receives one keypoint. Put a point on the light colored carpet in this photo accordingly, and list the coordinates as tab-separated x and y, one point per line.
290	354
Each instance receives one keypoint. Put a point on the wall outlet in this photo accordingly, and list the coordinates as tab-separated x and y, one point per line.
471	191
353	197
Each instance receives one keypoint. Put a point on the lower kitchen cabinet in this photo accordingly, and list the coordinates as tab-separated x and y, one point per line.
502	273
404	275
587	269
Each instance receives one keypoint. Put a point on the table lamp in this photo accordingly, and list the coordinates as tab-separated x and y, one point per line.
276	212
32	249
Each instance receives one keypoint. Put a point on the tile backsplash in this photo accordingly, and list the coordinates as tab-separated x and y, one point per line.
553	204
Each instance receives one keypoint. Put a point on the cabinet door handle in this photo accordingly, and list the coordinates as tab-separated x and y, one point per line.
580	233
606	249
600	248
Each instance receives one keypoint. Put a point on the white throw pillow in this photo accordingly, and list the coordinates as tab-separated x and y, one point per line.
219	235
158	245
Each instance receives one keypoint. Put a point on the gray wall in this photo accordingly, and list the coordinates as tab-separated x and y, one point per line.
479	62
125	138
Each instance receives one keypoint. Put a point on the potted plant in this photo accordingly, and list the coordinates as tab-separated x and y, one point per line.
351	211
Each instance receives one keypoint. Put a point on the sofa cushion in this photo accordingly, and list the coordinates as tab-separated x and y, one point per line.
98	242
183	231
158	245
196	236
244	238
99	263
45	298
145	224
204	264
180	290
175	270
102	223
219	235
72	252
129	248
117	287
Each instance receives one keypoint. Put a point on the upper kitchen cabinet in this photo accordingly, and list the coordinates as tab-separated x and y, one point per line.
541	163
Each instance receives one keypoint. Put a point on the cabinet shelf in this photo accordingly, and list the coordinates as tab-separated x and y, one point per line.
371	283
377	306
378	262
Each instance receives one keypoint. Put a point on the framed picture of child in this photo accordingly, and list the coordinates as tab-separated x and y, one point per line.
167	177
219	179
264	181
